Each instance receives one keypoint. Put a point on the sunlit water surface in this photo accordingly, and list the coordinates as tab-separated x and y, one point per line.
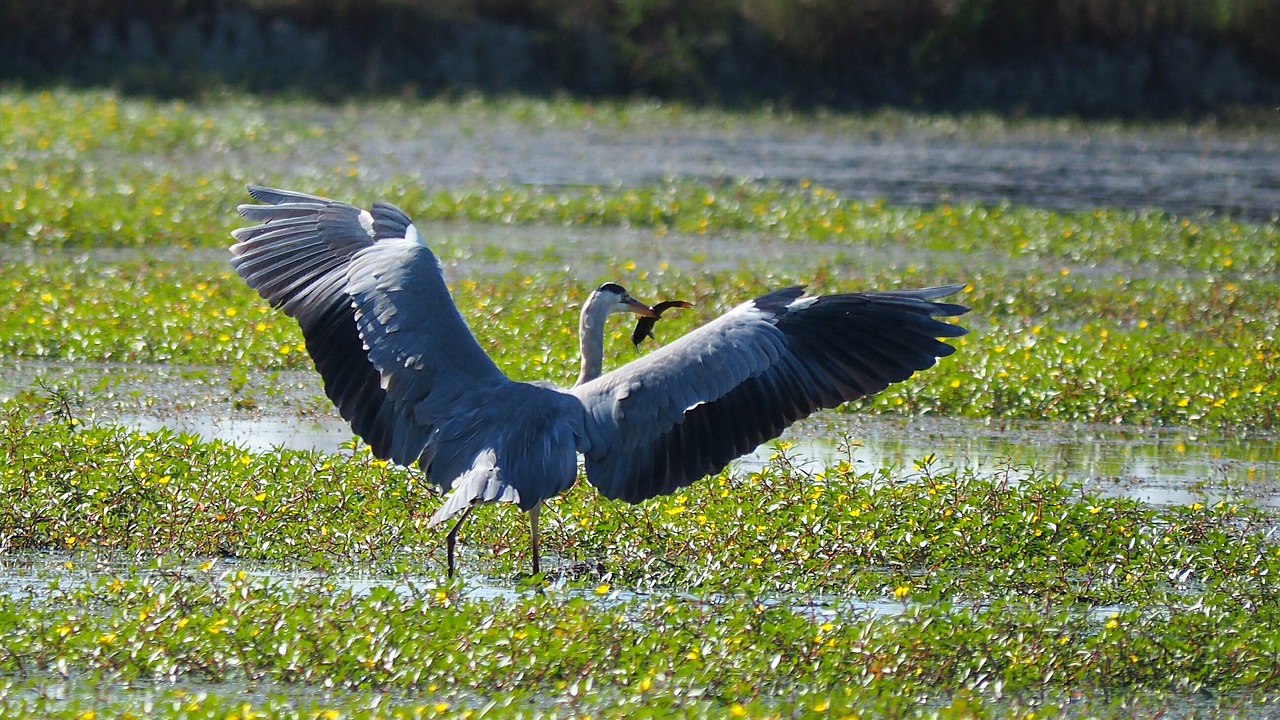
1154	465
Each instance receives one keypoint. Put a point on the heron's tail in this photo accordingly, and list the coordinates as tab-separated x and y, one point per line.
482	483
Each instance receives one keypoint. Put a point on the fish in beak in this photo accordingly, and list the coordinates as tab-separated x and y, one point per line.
644	326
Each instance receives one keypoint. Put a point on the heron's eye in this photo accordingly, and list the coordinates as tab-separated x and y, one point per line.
614	288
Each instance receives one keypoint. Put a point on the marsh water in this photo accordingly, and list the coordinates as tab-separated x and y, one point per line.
1154	465
1159	465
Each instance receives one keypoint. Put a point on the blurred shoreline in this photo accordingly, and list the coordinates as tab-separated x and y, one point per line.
1099	58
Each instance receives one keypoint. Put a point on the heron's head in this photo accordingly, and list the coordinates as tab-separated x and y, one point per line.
619	300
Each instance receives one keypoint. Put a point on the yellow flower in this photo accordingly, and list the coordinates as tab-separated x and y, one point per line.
901	591
737	710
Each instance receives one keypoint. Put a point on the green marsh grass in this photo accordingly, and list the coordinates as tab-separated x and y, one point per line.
569	653
782	529
1053	345
746	595
996	584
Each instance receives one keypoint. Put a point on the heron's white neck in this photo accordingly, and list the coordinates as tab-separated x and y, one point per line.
591	337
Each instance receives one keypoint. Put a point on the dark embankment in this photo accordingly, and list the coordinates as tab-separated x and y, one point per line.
1124	58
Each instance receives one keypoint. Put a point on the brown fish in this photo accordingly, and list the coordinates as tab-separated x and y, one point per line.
644	327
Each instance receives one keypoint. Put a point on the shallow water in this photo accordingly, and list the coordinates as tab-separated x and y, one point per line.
39	575
1154	465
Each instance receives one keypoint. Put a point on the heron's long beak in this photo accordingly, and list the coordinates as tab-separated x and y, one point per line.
639	308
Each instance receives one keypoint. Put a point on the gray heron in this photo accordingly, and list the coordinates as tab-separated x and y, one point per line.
403	368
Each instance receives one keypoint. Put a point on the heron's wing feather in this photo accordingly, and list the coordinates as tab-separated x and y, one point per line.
416	338
299	258
686	410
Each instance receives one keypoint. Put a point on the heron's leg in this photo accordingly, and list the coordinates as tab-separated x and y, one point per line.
452	538
533	535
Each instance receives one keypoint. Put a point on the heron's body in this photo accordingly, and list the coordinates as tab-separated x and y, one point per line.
403	368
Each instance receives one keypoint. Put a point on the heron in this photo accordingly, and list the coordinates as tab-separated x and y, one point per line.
404	370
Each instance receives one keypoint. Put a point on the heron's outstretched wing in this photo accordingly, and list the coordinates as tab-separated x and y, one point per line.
686	410
305	257
431	364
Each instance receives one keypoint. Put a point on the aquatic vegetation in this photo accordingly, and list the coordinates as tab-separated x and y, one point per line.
1052	346
165	575
781	529
153	173
1099	315
989	590
657	656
